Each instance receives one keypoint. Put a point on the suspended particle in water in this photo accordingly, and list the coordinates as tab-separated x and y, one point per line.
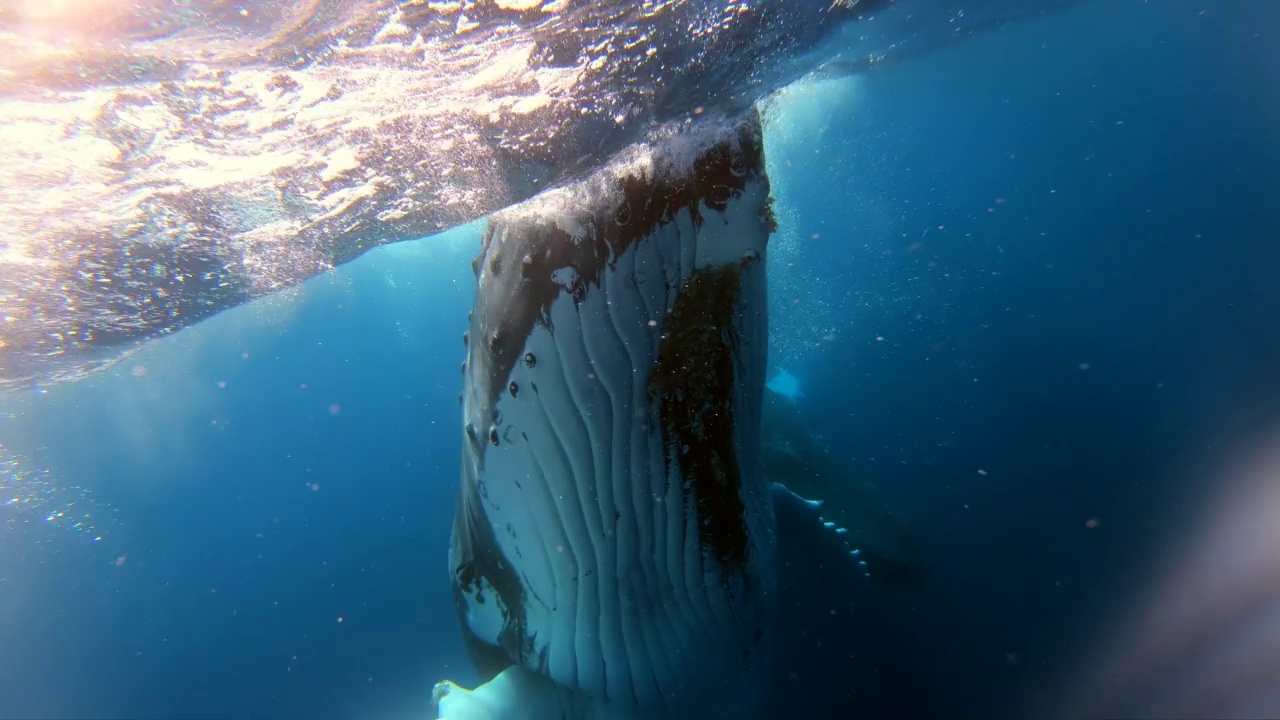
32	499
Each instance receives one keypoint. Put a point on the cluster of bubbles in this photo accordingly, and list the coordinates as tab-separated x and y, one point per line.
810	133
32	498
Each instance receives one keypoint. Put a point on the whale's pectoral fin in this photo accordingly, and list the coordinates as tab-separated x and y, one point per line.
514	694
841	505
841	509
809	547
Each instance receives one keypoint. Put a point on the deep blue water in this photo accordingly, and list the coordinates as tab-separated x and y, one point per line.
1032	277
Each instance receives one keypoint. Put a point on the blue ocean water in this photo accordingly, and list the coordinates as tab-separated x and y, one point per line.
1026	282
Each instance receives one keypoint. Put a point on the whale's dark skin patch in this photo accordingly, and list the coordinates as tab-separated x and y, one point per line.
693	384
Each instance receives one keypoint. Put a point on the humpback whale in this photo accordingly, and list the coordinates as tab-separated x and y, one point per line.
613	553
615	548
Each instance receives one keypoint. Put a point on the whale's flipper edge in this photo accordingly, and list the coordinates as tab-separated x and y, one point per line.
849	503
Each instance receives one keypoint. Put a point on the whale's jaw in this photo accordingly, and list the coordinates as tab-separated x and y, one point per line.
614	538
